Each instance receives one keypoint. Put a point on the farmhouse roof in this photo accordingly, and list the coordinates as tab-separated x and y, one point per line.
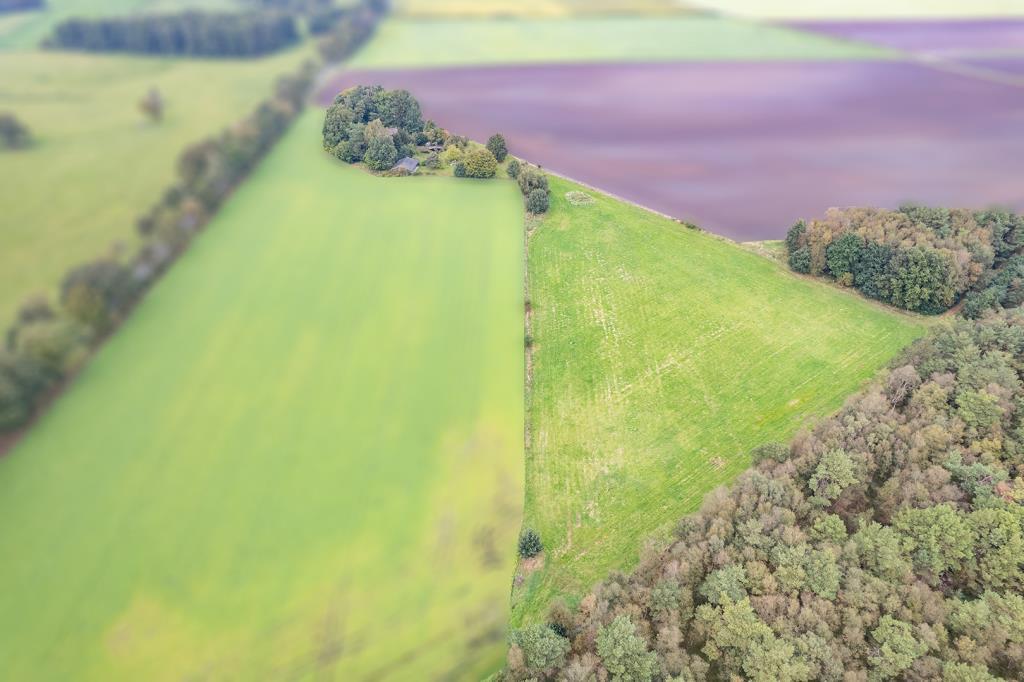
409	164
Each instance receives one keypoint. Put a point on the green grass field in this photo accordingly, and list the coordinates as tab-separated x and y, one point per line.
97	163
864	9
662	356
299	459
411	43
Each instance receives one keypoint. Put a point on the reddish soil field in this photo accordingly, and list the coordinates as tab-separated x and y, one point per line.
933	37
1013	66
743	149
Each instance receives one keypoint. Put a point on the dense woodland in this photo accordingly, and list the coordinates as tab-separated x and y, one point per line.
49	341
885	543
916	258
192	33
20	5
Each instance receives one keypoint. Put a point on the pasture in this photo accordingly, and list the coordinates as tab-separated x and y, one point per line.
300	458
743	149
97	163
410	43
662	356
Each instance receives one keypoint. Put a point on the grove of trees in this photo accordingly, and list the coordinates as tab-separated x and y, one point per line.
191	32
48	341
884	543
917	258
374	125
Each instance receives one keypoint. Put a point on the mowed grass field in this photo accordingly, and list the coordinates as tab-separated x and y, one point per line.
299	459
662	356
864	9
451	42
97	163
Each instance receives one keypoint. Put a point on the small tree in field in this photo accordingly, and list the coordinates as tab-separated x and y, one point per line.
152	105
496	145
13	133
530	544
513	168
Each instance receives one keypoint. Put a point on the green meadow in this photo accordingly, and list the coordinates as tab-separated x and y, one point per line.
402	42
662	355
97	163
301	456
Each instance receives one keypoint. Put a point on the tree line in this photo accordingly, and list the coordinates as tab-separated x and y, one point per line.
916	258
20	5
884	543
346	30
48	341
191	33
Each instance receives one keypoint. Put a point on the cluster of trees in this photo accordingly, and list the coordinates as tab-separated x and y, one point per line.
191	32
344	31
885	543
46	342
532	183
1001	288
373	125
20	5
13	133
916	258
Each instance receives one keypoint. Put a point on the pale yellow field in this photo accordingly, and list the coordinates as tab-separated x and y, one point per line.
865	9
534	8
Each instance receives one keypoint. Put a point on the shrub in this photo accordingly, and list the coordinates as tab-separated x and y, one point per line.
530	544
530	179
537	201
459	169
496	145
480	163
451	155
13	133
800	260
513	168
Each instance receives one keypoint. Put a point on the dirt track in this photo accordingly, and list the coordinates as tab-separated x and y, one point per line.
743	149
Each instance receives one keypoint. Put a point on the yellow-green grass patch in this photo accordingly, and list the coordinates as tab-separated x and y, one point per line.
468	42
301	456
